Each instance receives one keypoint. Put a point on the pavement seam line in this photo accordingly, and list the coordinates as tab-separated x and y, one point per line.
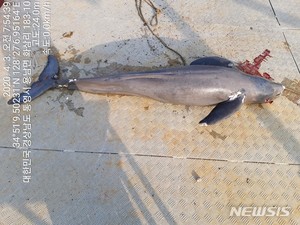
274	12
160	156
290	50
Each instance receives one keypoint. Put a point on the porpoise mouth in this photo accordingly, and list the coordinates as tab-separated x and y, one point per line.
277	91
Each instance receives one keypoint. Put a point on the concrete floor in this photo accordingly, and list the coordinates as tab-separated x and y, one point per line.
128	160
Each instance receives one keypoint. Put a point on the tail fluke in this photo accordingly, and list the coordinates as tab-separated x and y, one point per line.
47	80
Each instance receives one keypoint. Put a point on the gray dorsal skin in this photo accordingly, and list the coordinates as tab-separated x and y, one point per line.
224	109
213	61
200	85
190	85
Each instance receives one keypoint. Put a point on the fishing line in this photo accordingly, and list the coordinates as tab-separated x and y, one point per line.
154	22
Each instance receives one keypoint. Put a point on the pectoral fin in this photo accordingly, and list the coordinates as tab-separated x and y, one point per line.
224	109
213	61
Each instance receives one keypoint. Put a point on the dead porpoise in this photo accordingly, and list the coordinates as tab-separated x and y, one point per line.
207	81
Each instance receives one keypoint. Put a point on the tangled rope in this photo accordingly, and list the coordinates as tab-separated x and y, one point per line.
154	22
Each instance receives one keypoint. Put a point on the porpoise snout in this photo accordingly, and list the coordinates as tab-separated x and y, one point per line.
277	89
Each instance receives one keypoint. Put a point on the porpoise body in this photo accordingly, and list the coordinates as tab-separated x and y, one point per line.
190	85
207	81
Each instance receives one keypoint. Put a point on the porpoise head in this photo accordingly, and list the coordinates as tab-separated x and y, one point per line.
268	91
